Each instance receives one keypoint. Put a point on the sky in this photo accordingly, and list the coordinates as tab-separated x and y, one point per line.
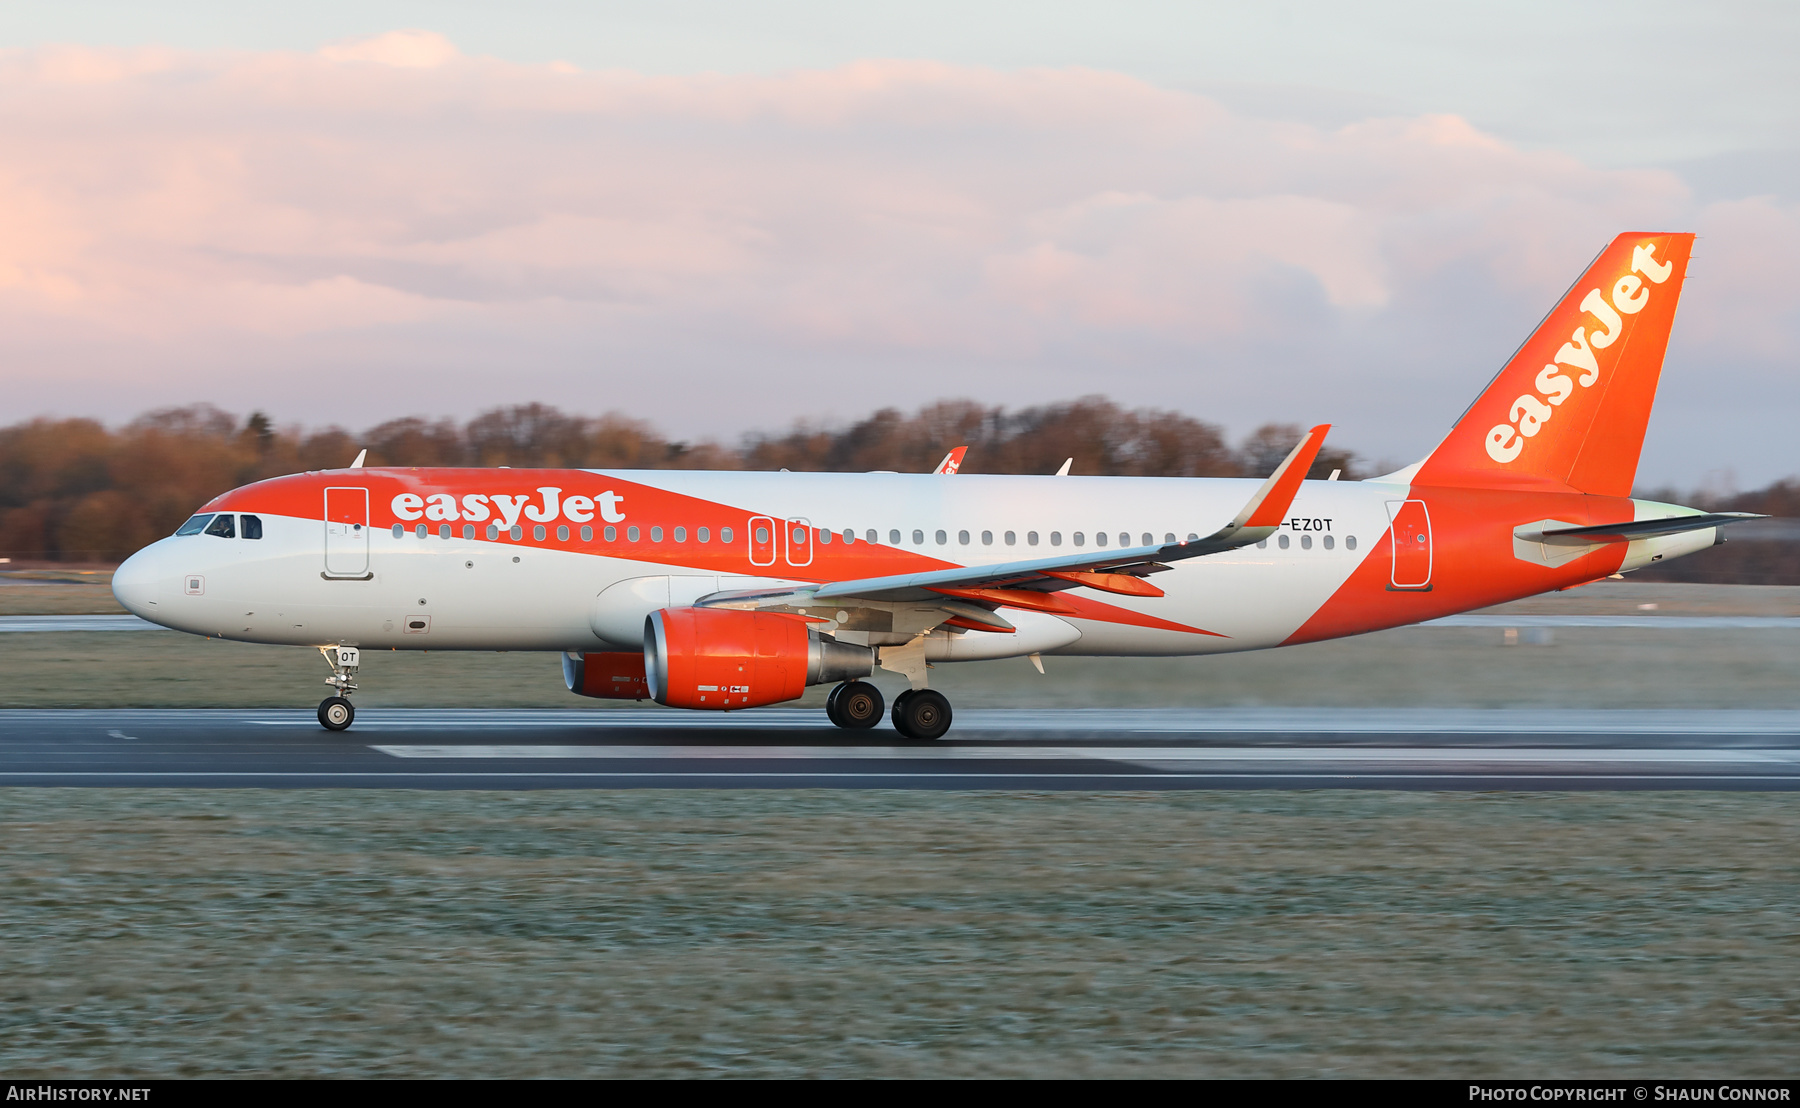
730	216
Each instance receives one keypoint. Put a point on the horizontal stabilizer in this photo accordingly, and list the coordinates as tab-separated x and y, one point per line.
1637	529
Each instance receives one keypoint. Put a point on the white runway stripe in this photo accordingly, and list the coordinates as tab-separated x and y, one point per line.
1614	623
1151	756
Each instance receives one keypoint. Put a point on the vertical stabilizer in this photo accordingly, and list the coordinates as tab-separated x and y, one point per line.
1569	410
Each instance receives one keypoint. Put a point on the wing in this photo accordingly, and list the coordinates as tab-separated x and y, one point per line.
1025	584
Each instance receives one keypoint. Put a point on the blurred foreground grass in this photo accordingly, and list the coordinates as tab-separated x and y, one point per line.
362	933
1591	668
1598	668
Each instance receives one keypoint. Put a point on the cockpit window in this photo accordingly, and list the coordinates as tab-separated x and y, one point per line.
194	526
222	526
252	527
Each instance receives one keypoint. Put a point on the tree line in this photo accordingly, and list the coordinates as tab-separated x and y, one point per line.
73	490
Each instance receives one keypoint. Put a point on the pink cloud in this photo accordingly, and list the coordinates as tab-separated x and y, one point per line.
383	200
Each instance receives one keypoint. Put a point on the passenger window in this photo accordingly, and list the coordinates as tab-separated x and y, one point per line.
762	534
1080	539
987	538
1282	541
1170	537
252	526
942	538
611	534
1306	542
824	535
725	535
849	536
703	534
1329	543
1193	537
197	524
419	530
1012	538
656	534
870	536
587	534
469	530
1263	545
893	538
443	531
400	530
1099	538
537	533
962	537
1031	538
919	537
562	533
1056	538
1349	542
222	526
493	531
632	533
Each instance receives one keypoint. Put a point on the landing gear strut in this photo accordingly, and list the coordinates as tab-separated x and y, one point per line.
336	712
854	705
921	714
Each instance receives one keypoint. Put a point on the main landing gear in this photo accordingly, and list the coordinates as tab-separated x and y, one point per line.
922	714
336	712
854	705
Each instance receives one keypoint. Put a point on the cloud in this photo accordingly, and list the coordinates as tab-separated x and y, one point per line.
402	49
454	230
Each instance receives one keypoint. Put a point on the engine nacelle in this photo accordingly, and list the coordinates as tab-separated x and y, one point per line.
609	676
724	658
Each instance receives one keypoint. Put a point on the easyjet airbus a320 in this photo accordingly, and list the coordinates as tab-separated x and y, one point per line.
723	591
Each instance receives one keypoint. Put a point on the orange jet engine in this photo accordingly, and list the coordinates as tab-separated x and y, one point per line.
612	675
726	658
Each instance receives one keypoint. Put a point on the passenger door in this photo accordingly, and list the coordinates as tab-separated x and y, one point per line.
1410	532
347	533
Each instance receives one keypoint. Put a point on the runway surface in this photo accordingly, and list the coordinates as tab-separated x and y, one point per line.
788	748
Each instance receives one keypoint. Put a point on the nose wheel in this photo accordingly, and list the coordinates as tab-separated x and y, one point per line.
336	713
922	714
854	705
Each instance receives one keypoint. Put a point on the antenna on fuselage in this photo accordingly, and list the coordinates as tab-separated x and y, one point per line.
360	455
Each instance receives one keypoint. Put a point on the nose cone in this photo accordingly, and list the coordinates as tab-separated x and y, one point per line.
138	586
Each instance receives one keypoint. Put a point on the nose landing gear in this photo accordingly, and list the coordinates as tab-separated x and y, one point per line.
336	712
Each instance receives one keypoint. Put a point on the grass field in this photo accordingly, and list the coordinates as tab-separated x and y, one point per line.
1591	668
898	934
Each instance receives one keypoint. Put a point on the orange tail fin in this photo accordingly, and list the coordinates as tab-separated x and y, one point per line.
1569	410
